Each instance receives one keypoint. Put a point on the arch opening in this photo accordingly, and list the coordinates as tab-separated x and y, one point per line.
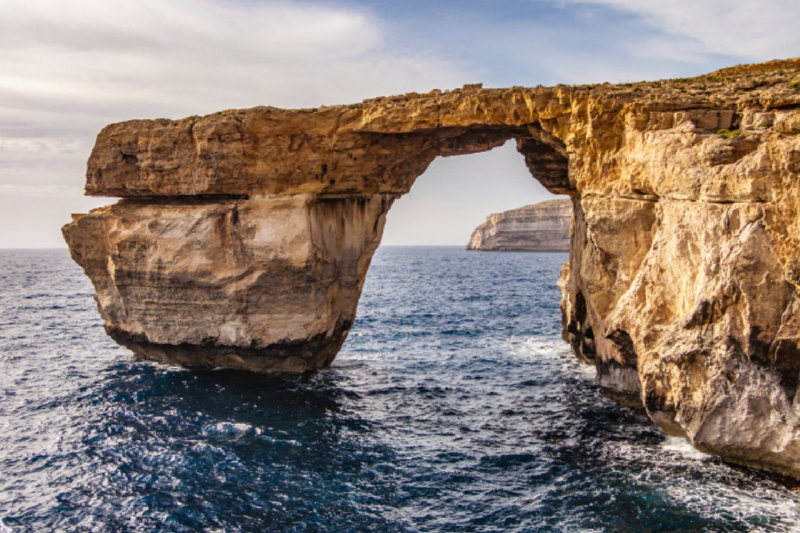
434	197
456	194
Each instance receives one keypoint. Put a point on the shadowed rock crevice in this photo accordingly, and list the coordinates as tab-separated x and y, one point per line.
681	285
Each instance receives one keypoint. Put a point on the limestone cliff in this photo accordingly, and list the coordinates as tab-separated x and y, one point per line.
243	237
542	227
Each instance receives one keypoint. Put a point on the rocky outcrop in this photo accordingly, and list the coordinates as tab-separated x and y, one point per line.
542	227
243	237
263	284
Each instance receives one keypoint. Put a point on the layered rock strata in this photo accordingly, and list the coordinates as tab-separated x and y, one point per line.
243	237
542	227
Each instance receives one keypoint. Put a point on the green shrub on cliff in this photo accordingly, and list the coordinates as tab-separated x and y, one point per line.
728	133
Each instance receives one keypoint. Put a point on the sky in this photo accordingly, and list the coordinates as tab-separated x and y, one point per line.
69	67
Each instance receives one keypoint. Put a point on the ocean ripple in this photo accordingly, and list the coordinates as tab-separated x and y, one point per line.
454	406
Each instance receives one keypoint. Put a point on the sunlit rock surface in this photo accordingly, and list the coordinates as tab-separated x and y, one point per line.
542	227
243	237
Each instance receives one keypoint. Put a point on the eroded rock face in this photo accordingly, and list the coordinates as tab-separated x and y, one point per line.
262	284
542	227
243	237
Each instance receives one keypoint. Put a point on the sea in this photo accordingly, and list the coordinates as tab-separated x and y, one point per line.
454	406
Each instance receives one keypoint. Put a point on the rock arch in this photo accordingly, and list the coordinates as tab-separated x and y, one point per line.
242	238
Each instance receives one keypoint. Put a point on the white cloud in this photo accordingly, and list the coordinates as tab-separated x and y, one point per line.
69	67
47	191
109	58
755	29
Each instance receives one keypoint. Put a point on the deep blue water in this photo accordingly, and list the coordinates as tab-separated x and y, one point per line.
454	406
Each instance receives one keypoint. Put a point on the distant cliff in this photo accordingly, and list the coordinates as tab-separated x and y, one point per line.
542	227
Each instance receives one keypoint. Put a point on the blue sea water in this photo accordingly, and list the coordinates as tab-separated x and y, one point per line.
454	406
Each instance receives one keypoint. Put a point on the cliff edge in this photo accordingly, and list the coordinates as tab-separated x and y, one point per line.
243	238
542	227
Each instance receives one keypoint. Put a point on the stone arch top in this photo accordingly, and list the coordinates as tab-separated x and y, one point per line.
378	147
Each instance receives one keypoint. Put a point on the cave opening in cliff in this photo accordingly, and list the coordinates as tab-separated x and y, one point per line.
456	194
